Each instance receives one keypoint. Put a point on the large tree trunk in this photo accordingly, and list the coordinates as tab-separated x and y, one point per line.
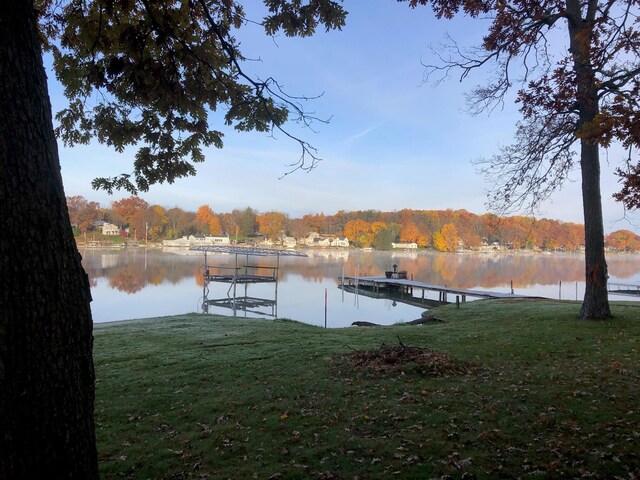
46	366
581	23
596	301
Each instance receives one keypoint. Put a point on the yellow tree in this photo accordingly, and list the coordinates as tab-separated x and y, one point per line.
423	240
354	229
375	227
446	239
157	222
450	234
438	242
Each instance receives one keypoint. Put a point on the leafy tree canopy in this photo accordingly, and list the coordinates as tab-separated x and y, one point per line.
148	74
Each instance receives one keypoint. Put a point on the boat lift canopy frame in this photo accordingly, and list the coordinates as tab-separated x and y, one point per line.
242	278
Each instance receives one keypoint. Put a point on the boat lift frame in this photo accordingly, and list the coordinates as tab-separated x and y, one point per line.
241	275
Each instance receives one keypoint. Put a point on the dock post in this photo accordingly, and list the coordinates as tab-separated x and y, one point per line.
457	301
325	308
205	283
277	277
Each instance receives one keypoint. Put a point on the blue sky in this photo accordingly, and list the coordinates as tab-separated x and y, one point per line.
393	142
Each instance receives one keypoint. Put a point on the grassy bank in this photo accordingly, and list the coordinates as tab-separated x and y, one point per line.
516	389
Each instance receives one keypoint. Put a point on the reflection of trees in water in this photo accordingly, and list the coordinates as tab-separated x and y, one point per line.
622	266
131	271
487	271
127	279
490	271
460	270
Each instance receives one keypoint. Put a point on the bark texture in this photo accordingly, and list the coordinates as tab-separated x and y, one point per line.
581	25
596	301
46	367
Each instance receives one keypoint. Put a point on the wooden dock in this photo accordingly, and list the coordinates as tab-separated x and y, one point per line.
402	287
624	289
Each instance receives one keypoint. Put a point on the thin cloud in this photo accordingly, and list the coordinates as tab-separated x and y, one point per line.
363	133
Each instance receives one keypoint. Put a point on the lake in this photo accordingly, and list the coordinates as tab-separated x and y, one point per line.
140	283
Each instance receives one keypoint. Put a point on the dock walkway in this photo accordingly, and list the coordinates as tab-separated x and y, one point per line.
632	290
405	286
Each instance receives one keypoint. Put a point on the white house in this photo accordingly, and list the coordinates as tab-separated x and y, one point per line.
311	238
340	242
405	246
217	240
110	229
316	240
197	241
321	242
289	242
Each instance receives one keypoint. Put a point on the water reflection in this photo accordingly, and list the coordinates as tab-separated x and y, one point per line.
142	283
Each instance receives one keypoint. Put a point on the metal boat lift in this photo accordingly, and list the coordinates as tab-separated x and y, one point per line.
242	275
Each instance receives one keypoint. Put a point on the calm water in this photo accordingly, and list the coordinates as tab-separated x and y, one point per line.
138	283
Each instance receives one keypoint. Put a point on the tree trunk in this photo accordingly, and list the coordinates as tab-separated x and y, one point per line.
46	367
596	302
581	22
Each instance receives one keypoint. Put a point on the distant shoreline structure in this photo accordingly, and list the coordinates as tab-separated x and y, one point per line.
197	241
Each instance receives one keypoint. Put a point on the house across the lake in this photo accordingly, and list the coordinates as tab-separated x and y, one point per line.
314	239
405	246
110	229
197	241
289	242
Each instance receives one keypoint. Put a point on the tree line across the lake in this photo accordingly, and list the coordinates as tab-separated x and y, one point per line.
442	230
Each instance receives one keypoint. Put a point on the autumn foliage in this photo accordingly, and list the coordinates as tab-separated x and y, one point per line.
443	230
623	240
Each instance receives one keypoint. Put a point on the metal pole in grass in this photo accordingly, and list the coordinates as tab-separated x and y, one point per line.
560	290
325	308
355	297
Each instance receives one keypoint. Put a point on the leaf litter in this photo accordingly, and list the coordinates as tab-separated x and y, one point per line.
391	358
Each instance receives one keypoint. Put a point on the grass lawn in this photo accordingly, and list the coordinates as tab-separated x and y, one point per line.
507	389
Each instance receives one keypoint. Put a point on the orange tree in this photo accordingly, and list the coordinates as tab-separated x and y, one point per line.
272	224
207	221
359	232
624	240
82	212
130	208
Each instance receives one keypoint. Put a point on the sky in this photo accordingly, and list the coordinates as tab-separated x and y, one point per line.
393	140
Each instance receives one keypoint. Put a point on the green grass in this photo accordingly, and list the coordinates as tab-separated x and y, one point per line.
197	396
